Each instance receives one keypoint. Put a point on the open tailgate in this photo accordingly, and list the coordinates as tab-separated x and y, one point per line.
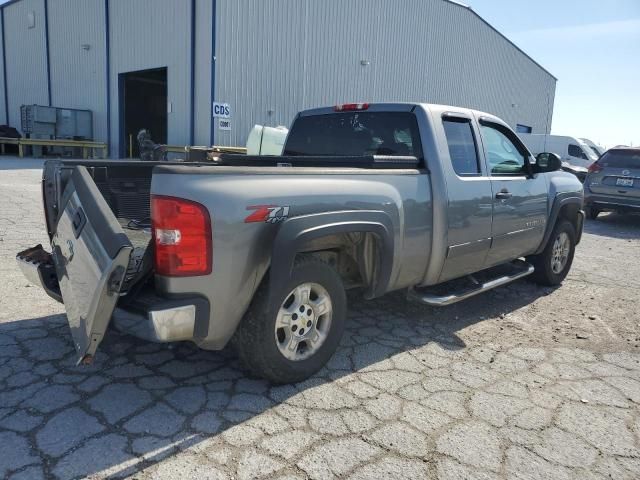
91	254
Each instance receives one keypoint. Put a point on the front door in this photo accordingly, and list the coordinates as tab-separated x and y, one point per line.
520	201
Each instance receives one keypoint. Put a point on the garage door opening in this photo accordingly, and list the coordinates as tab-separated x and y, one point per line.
143	104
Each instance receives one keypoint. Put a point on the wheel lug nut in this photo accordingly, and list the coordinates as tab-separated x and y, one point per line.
294	328
308	323
294	316
302	309
309	312
302	331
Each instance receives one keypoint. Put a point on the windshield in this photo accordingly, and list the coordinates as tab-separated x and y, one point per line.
621	159
596	151
355	133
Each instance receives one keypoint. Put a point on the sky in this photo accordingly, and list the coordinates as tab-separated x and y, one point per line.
593	48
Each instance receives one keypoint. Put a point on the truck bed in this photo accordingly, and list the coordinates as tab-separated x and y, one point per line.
126	185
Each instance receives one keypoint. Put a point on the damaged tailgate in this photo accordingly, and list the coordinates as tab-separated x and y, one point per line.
91	253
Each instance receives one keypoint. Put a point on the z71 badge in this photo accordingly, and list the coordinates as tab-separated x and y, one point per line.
267	214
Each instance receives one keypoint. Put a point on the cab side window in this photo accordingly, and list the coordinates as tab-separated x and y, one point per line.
503	155
576	151
462	146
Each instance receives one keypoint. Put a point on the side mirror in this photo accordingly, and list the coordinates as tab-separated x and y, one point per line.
547	162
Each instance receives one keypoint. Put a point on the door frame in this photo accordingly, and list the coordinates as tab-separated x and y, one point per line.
122	134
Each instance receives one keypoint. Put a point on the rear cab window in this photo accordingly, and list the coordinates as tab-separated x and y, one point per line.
355	134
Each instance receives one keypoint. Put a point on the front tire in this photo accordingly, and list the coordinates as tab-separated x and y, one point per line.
291	340
554	263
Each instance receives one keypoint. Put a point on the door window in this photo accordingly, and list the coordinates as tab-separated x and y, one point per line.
462	146
576	151
503	156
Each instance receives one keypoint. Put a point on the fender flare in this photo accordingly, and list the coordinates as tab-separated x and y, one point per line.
561	200
295	232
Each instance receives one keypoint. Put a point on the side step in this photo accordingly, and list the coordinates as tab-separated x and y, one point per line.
455	290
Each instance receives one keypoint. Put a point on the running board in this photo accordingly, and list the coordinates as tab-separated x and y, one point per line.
519	269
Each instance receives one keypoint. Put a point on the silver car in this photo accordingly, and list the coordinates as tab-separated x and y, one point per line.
613	183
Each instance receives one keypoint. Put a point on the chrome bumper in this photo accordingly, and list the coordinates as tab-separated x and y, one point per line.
169	325
158	319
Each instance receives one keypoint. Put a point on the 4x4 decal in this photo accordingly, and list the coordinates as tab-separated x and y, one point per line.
267	214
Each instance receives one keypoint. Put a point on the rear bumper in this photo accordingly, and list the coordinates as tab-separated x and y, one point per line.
147	316
158	319
605	202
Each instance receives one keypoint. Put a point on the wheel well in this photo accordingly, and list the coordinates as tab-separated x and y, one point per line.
570	212
353	255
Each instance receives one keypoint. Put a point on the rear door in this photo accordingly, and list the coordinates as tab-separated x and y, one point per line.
91	254
520	200
470	197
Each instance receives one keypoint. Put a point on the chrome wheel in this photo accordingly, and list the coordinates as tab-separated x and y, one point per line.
303	321
560	253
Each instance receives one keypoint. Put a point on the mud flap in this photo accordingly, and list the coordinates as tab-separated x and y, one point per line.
90	253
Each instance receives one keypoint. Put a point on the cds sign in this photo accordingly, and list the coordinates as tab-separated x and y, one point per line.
222	110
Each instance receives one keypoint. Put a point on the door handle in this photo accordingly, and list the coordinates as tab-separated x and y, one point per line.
503	194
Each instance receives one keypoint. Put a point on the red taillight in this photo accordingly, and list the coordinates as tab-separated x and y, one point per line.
594	168
351	107
182	237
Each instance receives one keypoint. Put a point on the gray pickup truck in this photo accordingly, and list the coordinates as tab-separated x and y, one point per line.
441	201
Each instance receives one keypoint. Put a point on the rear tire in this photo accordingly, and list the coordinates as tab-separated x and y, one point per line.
291	340
554	263
592	213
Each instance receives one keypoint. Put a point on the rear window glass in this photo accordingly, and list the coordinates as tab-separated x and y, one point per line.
620	159
354	134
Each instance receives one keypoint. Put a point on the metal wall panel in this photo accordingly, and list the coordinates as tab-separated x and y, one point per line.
203	61
260	68
276	57
26	56
3	110
77	58
149	34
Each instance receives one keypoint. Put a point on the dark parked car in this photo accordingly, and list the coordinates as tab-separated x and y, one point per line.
613	183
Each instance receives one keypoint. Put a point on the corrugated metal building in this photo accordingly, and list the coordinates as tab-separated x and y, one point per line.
161	63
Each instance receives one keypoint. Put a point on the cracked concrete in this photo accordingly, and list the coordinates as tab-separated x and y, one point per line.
497	387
